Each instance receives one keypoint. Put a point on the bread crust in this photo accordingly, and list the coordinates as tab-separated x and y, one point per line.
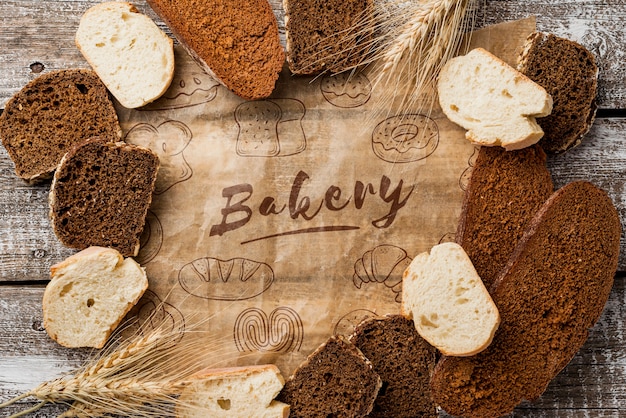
551	292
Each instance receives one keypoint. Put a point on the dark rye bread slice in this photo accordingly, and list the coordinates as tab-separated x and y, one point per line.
51	114
325	35
551	292
404	361
101	193
336	380
505	190
236	41
568	72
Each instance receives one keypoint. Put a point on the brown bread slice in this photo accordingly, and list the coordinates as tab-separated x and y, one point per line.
551	292
235	41
51	114
325	34
568	71
505	190
336	380
101	193
404	361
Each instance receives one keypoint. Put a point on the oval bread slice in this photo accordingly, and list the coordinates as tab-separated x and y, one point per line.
448	301
128	51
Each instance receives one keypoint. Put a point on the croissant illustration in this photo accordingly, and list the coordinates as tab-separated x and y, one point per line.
234	279
383	264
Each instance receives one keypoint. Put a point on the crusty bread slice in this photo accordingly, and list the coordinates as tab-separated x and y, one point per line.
403	360
448	302
336	380
50	115
89	294
568	71
128	51
322	34
101	193
505	190
496	103
551	292
237	42
236	392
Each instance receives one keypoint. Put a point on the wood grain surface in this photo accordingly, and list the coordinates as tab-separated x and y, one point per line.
36	35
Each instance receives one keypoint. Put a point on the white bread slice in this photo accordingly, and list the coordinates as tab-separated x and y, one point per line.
448	302
496	103
235	392
89	294
128	51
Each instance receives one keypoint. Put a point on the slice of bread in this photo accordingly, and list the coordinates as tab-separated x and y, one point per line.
505	190
237	42
551	292
335	380
322	35
128	51
448	302
52	113
101	193
492	100
568	71
236	392
89	294
403	360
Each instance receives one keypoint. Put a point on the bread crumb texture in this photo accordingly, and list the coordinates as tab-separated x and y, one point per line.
448	302
89	294
128	51
495	103
50	115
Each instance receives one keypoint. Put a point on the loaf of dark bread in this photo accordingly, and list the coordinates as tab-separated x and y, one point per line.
336	380
52	113
568	71
100	195
235	41
325	35
404	361
551	292
505	190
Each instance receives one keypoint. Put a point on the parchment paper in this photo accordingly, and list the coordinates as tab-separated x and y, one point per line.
289	219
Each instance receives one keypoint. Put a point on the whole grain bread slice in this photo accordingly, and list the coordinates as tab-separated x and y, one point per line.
237	41
336	380
403	360
101	193
551	292
505	190
568	72
51	114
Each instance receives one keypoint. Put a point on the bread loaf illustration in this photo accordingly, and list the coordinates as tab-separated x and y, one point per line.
234	279
405	138
383	264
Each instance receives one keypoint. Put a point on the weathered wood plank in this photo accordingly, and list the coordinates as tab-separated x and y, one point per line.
43	32
593	384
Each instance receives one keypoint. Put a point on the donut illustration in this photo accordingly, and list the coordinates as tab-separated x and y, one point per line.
383	264
186	90
168	140
282	331
467	173
151	239
231	280
270	128
405	138
346	90
152	313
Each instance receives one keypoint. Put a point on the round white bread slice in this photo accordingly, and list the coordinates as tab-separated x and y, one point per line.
89	294
128	51
448	302
492	100
235	392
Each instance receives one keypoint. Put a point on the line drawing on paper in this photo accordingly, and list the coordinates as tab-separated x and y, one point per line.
405	138
383	264
280	332
346	90
151	239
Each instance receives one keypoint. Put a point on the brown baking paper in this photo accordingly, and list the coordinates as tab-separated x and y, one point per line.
279	222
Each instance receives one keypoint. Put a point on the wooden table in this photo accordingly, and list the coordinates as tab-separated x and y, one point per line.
36	35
